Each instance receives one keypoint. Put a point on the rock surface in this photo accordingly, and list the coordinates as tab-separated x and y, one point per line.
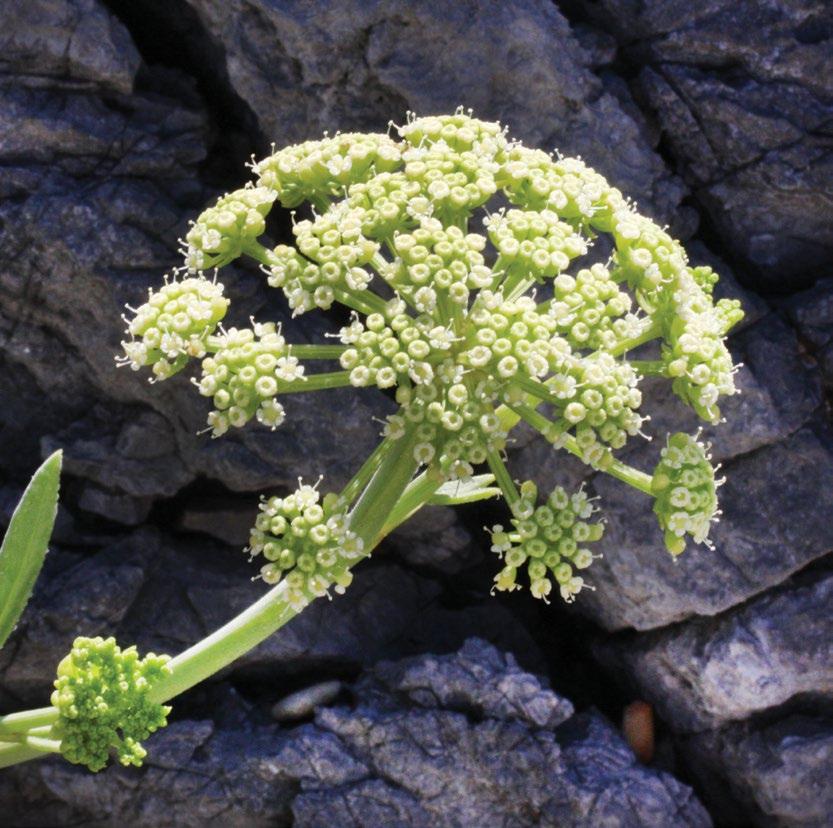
353	65
392	759
778	774
708	672
742	92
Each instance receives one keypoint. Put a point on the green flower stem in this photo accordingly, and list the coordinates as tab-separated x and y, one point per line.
379	263
616	468
317	351
379	499
260	253
414	497
549	430
14	754
272	611
367	303
508	418
538	390
316	382
503	478
42	744
363	476
653	330
238	636
649	367
16	723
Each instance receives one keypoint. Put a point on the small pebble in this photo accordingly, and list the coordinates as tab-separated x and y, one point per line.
638	727
302	703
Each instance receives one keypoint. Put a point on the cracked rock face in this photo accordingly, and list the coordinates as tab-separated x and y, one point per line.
467	739
743	92
121	120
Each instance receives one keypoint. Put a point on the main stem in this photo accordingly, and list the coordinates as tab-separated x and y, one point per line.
368	520
273	610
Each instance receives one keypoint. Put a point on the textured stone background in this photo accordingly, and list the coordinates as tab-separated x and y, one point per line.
119	120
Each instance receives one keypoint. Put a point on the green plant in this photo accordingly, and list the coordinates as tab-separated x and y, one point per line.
473	332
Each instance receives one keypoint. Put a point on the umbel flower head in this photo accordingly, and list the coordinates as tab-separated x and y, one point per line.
474	315
103	697
306	540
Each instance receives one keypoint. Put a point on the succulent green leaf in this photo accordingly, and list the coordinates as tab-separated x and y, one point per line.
456	492
26	541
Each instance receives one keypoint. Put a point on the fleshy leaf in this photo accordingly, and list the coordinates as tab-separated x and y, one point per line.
26	542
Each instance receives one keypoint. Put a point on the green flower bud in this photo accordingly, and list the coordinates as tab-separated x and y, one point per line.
103	698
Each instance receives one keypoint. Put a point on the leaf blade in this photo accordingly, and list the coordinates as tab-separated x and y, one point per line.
26	542
455	493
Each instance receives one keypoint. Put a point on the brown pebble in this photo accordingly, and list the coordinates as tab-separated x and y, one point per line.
638	728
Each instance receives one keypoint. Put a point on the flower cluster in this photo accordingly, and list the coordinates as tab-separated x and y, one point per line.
319	170
103	697
173	325
305	541
221	232
685	490
533	244
449	320
591	310
549	539
243	377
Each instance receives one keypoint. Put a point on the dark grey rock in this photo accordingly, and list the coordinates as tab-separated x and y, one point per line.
811	311
477	680
76	39
314	66
772	775
743	94
435	538
228	519
707	672
388	761
775	502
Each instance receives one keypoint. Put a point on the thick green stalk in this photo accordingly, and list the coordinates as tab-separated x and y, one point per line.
14	754
378	500
317	351
413	498
653	330
364	475
315	382
503	478
273	610
16	723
